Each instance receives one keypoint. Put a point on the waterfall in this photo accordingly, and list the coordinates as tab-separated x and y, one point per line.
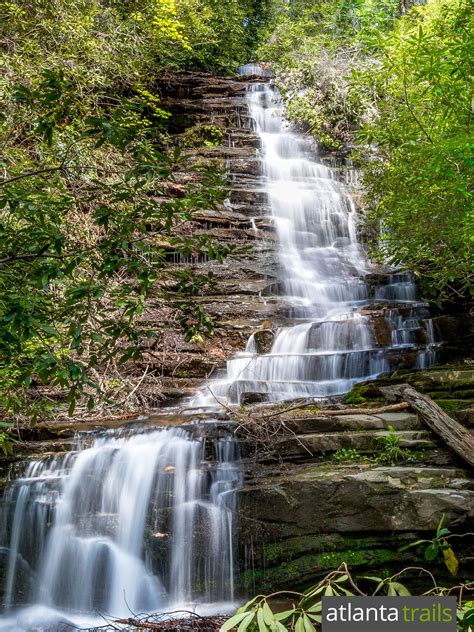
330	345
144	522
140	523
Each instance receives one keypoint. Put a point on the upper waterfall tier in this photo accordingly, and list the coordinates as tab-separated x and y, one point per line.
323	271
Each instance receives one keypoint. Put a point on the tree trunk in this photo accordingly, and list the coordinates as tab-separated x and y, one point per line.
456	436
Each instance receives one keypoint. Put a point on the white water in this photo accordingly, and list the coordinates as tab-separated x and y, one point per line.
331	345
130	524
145	523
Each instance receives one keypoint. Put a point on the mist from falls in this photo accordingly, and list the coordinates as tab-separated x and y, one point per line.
330	344
140	523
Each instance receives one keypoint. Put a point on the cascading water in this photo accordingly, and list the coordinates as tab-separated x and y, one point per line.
145	522
131	524
331	345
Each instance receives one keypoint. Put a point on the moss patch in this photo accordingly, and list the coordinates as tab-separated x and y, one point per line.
301	561
453	405
199	135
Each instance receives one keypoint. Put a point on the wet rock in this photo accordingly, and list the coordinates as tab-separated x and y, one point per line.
318	503
264	339
25	578
308	424
247	166
248	196
457	333
381	331
252	398
310	446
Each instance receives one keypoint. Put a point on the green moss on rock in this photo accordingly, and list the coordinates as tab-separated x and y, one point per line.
199	135
300	561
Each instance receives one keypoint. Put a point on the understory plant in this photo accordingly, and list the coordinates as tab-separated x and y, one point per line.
439	546
304	615
7	441
391	452
390	83
346	454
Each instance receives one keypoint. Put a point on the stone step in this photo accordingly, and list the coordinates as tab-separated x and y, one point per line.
312	499
381	421
322	444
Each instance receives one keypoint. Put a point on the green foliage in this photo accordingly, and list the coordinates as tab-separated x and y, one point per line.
465	617
353	397
208	135
303	616
222	34
118	42
392	453
439	547
305	613
7	441
79	252
395	80
389	587
312	47
89	218
346	454
420	180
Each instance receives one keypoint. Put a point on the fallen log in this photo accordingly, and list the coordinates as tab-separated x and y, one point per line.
456	436
346	411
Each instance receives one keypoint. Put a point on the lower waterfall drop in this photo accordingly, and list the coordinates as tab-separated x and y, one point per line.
131	524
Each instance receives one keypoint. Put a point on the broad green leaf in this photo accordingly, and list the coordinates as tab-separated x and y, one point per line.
244	624
262	625
316	591
281	616
401	589
431	552
299	625
308	625
267	613
233	621
341	579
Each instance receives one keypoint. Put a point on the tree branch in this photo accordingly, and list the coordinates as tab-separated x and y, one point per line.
29	174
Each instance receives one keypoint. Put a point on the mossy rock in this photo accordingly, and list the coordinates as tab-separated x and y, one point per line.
297	563
440	383
452	405
199	135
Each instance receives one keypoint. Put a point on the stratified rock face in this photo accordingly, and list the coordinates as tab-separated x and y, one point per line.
239	298
333	496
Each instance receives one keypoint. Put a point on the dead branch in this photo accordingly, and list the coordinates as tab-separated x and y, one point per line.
347	411
163	622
